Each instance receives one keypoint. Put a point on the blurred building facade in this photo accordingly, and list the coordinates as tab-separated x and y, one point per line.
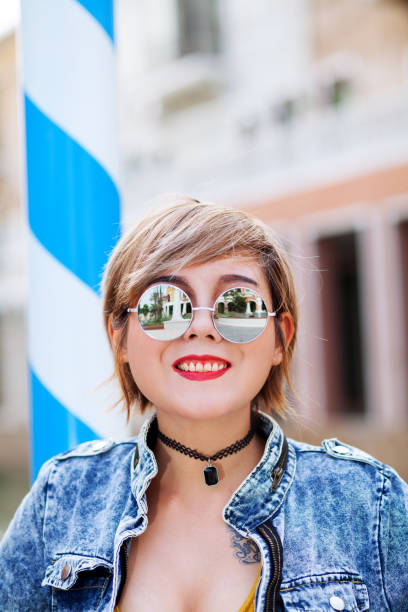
296	111
13	289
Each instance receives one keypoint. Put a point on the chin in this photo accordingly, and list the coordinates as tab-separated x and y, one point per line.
205	409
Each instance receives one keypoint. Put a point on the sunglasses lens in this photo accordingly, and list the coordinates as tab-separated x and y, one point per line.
164	312
240	315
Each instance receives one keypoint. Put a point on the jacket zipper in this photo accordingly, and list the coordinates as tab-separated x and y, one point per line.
273	598
126	552
115	586
126	563
126	546
279	468
267	531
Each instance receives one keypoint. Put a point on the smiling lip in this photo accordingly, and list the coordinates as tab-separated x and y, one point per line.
201	375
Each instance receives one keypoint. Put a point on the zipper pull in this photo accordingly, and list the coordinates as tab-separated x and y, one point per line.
276	477
279	468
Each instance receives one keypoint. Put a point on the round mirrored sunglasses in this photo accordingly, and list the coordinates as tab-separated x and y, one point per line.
165	312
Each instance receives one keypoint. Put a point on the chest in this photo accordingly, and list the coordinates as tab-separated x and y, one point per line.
192	565
189	563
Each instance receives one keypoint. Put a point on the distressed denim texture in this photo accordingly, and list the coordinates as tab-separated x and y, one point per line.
342	517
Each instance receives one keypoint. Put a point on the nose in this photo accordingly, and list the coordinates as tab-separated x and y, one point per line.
202	325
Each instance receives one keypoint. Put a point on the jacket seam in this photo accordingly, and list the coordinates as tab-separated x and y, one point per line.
52	468
368	460
59	555
74	454
298	449
103	589
386	480
91	586
311	584
371	461
344	575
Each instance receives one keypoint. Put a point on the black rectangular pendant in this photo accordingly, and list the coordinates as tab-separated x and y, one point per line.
211	475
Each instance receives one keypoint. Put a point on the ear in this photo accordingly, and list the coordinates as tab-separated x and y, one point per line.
114	336
287	327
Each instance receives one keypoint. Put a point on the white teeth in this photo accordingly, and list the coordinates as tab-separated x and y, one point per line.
201	367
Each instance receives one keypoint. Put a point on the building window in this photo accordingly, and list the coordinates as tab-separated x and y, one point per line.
198	26
338	91
344	372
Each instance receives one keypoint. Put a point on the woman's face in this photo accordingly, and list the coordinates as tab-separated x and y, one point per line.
153	362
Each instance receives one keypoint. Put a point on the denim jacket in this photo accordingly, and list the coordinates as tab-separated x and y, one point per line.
331	523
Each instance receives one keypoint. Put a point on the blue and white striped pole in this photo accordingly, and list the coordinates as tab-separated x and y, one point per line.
73	214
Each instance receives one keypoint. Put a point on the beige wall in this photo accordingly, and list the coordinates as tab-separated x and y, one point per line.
374	208
374	32
374	187
10	139
13	364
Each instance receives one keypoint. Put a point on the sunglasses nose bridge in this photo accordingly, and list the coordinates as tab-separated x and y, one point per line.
208	309
203	323
202	308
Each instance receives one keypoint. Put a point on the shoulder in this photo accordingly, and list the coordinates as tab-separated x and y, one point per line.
354	510
96	461
86	476
333	452
345	477
96	449
344	467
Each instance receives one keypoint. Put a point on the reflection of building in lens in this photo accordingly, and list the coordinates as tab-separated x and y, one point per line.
177	305
150	307
163	303
240	302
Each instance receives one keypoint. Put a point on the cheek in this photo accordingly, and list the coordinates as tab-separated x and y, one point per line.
141	356
262	356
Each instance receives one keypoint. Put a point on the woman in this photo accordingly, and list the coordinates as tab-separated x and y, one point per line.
210	507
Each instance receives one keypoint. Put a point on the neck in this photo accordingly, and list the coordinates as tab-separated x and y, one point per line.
182	476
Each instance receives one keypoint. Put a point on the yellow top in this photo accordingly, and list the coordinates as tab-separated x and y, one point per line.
249	603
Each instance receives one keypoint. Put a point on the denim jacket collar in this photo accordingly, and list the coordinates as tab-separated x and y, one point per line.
254	501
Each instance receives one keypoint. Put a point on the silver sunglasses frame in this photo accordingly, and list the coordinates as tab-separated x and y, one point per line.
270	314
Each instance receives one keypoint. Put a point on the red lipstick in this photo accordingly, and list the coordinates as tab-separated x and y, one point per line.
202	359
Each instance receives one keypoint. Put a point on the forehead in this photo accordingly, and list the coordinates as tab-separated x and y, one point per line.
237	269
231	263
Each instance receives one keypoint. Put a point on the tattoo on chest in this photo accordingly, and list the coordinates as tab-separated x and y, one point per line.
245	550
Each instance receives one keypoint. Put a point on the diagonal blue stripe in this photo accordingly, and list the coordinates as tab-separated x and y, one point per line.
53	428
73	204
102	11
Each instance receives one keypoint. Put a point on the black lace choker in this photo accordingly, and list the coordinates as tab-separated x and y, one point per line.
210	472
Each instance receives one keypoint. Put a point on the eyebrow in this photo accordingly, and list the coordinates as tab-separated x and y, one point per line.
225	278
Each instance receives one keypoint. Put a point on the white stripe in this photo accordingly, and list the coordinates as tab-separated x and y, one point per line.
68	349
69	73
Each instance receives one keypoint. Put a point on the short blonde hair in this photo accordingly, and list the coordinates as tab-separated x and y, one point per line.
183	233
